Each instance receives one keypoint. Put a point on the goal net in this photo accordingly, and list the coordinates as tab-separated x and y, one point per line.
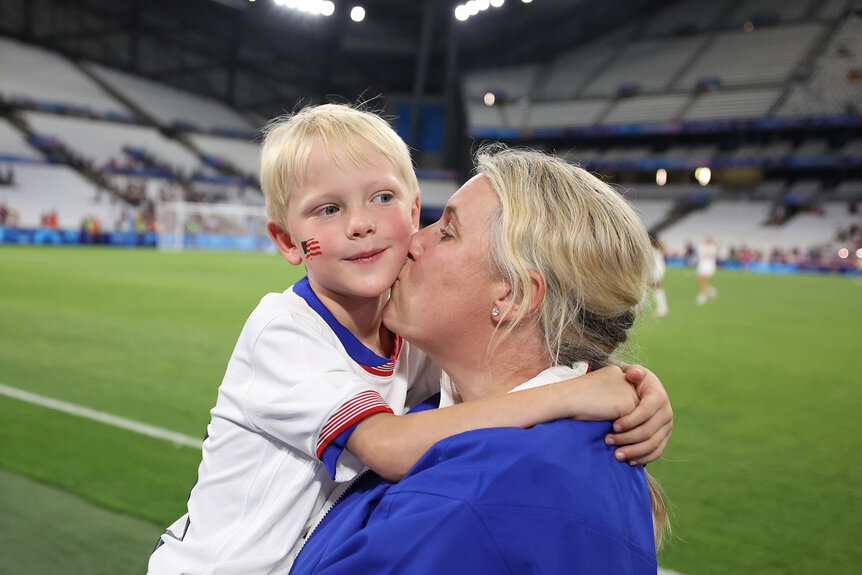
195	226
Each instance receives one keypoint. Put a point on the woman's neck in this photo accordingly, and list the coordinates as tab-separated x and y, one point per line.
518	358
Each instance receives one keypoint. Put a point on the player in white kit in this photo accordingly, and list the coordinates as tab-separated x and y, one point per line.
707	261
658	293
315	384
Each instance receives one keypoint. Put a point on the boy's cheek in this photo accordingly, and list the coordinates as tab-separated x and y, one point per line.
311	248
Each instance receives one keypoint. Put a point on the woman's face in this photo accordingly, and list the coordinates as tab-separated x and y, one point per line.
446	288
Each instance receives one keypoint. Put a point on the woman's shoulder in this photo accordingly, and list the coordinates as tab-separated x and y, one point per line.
502	459
559	473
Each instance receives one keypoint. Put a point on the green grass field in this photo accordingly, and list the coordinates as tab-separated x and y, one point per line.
762	470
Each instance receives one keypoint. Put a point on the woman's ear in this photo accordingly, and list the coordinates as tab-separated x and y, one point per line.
509	308
284	243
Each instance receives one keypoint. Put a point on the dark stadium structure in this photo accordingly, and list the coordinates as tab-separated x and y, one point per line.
702	112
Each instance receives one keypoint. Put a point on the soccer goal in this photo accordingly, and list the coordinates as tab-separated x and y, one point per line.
195	226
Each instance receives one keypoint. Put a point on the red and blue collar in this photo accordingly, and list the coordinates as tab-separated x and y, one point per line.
358	352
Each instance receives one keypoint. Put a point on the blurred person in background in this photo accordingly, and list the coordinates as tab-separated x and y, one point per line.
707	261
658	293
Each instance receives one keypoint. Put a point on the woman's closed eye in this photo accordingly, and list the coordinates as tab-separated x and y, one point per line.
445	235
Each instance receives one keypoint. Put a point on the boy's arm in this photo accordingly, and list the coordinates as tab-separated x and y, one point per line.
644	432
391	445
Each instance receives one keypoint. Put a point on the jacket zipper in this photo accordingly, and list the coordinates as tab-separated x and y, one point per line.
345	493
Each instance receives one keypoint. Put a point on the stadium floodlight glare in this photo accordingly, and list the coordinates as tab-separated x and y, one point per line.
497	3
315	7
357	13
843	253
472	7
489	98
526	1
703	175
483	4
461	13
859	253
661	176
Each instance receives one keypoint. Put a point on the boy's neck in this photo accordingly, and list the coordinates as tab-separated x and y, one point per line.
362	316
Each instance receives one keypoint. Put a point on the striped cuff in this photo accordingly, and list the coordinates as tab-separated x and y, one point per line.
352	411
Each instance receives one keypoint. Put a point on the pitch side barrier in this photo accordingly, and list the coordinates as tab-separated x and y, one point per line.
772	268
61	237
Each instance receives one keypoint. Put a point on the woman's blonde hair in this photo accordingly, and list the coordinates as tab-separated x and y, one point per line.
588	245
342	130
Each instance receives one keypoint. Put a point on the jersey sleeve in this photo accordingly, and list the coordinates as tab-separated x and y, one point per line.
302	388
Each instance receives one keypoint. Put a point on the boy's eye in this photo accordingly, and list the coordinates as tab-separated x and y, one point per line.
328	210
383	198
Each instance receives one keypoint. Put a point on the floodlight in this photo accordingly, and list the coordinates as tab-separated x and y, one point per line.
526	1
328	8
497	3
661	176
461	13
489	98
357	13
703	175
843	253
483	4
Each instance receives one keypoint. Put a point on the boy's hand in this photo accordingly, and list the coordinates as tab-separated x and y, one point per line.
643	433
604	395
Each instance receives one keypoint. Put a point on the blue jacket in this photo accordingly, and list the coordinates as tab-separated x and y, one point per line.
549	499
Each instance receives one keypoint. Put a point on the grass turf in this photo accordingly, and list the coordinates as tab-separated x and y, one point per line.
762	382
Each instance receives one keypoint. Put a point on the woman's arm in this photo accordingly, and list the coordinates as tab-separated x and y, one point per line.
391	445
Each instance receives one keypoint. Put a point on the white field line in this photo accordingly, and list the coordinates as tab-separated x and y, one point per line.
667	572
101	416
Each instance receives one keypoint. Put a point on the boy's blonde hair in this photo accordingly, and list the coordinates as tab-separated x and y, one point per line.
589	246
342	130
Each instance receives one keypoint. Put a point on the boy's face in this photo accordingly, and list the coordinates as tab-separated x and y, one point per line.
350	224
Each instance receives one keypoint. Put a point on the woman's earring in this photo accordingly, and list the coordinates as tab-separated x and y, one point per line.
495	312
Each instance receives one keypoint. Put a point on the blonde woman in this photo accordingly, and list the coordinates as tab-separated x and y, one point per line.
533	274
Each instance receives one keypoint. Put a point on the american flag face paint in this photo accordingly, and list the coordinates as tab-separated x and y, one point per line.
311	248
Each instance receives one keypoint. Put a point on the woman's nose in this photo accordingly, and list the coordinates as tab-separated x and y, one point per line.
417	244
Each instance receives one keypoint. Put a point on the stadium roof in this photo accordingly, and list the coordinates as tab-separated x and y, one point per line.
262	57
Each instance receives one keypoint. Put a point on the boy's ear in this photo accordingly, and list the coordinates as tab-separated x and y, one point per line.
510	307
284	243
414	214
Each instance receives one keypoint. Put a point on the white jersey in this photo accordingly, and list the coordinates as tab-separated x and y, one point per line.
707	254
296	385
658	265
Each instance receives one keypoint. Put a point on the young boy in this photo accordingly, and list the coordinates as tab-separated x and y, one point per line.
315	383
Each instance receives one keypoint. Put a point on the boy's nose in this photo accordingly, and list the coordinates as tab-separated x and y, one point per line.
361	226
